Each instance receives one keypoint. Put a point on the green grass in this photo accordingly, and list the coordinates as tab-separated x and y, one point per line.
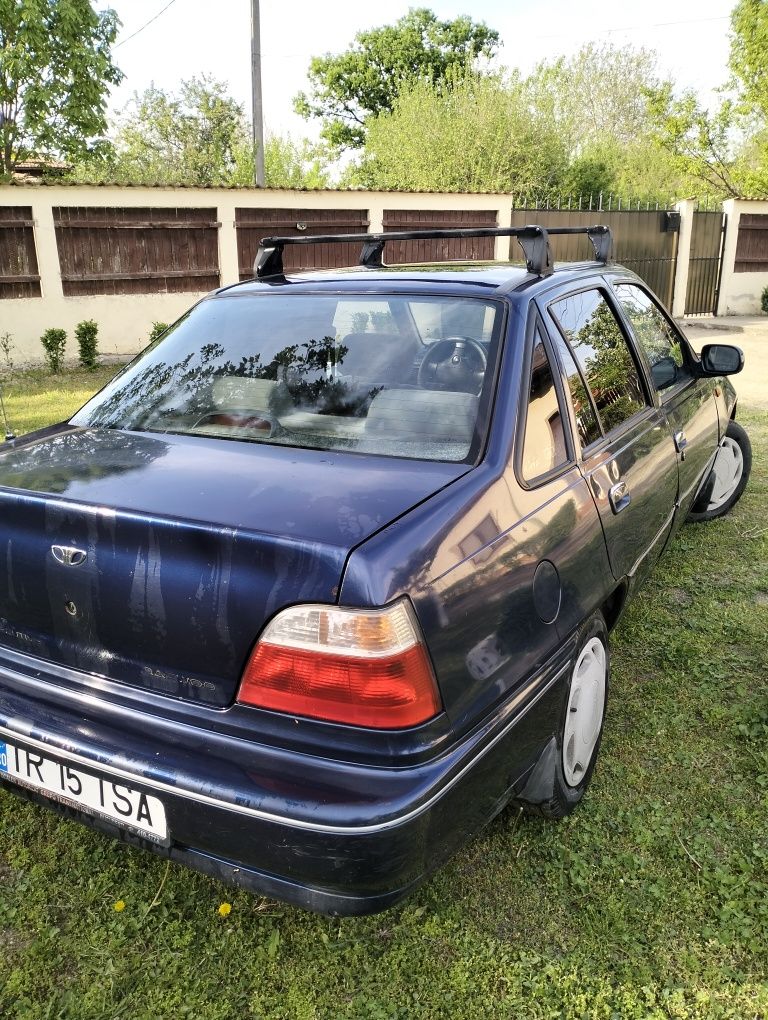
651	901
36	398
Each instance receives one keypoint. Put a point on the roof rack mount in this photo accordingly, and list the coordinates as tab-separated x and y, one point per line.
533	239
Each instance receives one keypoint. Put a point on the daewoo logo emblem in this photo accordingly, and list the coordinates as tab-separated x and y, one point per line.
68	555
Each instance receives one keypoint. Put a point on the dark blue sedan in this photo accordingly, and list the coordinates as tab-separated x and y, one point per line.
323	580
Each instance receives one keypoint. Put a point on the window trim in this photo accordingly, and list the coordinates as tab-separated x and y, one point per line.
603	287
535	322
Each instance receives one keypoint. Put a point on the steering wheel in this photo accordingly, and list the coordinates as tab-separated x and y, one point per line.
456	363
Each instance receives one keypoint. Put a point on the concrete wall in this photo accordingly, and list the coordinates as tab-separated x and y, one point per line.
125	320
739	292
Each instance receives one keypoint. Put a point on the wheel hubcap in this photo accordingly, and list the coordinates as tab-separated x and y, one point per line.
585	711
727	471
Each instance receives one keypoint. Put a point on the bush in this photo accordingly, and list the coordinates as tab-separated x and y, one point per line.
764	300
54	343
86	334
6	346
158	328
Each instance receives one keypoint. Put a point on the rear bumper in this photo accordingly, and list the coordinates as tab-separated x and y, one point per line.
329	836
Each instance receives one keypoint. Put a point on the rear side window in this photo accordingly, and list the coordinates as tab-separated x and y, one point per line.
586	422
544	447
603	354
655	335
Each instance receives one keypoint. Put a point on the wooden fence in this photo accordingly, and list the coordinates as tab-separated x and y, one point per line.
19	276
136	251
752	244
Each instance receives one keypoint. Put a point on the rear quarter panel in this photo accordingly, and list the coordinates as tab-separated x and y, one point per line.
467	558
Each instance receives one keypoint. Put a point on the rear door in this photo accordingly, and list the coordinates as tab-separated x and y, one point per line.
688	401
628	454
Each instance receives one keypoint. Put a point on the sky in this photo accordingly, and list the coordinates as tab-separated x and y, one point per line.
189	37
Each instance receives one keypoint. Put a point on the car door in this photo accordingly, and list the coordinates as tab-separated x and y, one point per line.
688	401
628	454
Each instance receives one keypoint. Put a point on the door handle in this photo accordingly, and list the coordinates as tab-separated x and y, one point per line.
681	441
619	497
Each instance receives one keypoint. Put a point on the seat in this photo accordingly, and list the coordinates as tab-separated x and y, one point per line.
420	415
242	392
383	358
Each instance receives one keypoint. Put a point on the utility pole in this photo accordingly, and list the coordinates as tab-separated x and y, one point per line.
257	114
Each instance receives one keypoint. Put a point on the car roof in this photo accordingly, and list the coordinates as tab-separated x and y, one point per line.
484	279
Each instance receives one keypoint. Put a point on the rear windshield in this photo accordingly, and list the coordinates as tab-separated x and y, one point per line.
397	376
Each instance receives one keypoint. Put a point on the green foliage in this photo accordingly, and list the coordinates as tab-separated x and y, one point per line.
424	142
749	55
196	137
55	73
158	328
764	300
289	164
86	334
351	87
54	343
561	131
191	138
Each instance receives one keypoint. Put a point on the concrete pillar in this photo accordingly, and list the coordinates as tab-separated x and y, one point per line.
503	219
229	268
376	214
45	243
732	209
686	208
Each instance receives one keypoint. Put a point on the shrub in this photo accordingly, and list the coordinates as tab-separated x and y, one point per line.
157	329
6	346
54	343
86	334
764	300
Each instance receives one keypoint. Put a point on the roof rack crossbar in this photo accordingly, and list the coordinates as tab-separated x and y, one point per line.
533	239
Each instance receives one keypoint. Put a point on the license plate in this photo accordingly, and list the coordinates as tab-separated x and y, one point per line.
98	795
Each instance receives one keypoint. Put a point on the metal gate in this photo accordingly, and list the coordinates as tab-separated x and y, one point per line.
645	240
708	234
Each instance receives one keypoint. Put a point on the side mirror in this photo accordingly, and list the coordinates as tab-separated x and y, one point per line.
721	359
664	373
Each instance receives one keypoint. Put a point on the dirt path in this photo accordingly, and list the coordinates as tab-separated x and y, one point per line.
751	334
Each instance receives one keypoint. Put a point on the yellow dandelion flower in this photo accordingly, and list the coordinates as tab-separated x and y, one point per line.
120	905
225	909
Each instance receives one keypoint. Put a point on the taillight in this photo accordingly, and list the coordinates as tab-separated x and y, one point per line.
364	667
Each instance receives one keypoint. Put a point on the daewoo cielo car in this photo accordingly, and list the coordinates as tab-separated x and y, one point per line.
323	580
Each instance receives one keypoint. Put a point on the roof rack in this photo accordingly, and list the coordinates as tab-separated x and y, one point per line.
533	239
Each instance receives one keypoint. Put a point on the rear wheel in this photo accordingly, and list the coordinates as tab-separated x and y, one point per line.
581	729
728	477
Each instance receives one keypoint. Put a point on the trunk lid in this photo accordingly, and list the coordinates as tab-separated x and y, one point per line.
187	547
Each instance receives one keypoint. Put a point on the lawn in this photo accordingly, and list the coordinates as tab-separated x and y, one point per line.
651	901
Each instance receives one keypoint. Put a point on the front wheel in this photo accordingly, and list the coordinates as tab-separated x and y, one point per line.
728	477
581	729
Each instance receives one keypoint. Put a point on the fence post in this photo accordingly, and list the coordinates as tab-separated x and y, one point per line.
687	210
45	244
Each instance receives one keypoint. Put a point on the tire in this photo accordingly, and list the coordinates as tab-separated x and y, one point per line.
579	734
733	465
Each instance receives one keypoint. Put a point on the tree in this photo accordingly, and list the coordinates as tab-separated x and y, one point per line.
351	87
424	144
749	54
289	164
192	137
600	102
196	137
55	71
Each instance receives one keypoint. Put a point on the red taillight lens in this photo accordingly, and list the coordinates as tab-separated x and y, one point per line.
360	667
